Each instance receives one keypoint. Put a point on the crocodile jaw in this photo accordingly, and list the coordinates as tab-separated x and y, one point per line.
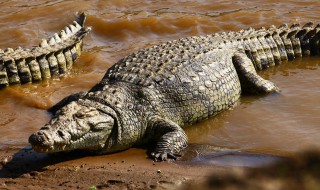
89	141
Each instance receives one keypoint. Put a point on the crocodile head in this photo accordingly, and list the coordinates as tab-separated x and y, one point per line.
74	126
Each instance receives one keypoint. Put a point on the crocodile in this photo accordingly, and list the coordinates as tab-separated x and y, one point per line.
148	97
52	58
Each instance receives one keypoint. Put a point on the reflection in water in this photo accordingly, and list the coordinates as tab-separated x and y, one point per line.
279	124
199	154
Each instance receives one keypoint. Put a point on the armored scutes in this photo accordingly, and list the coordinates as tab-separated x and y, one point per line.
51	58
153	94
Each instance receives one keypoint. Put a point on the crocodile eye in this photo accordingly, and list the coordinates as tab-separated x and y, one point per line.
80	115
97	126
86	113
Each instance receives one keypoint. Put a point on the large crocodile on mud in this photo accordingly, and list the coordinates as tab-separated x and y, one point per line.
154	93
52	58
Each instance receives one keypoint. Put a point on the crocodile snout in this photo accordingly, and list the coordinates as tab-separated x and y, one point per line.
46	140
38	138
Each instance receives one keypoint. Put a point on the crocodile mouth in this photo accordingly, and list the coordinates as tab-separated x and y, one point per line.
43	149
84	143
95	139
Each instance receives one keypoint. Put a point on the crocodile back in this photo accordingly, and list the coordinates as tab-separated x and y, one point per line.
185	80
190	79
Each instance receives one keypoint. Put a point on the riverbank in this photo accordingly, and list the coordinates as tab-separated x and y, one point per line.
131	169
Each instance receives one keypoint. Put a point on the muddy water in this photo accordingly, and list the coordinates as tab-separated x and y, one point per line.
279	124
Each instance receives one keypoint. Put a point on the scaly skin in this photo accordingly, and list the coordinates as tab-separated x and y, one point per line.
52	58
153	94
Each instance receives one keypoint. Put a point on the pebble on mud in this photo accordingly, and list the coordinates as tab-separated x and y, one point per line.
4	161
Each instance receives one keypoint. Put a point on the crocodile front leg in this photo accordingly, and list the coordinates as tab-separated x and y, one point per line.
170	137
250	81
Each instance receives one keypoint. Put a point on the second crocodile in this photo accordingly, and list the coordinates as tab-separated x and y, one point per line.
51	58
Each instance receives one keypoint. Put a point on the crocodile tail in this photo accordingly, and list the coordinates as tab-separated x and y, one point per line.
81	19
53	57
268	47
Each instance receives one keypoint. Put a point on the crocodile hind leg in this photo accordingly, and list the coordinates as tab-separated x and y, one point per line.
250	81
170	137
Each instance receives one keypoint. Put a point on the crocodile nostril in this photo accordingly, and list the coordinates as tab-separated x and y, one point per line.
38	138
60	133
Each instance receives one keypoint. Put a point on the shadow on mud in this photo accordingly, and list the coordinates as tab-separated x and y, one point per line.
27	161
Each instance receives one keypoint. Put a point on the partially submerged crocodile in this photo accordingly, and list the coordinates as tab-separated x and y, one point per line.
154	93
52	58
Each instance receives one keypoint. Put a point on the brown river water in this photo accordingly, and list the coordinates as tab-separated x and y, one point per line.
280	124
